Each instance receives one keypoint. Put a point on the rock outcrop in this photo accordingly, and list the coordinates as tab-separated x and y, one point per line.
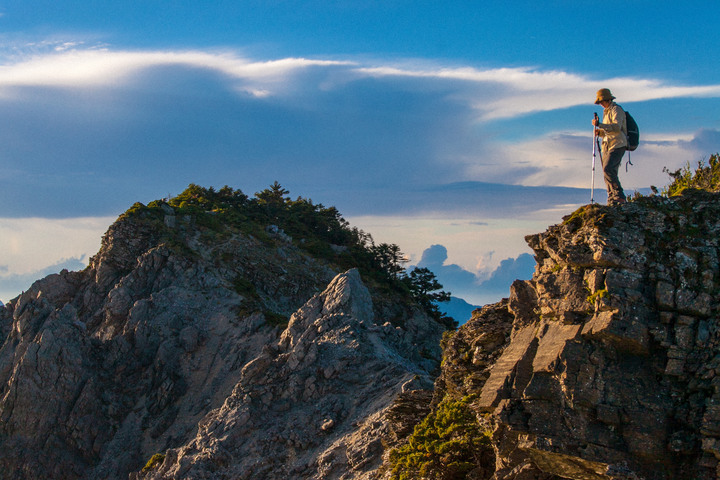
312	405
174	341
604	365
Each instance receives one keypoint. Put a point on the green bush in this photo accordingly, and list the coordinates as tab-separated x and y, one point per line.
446	445
275	319
703	177
245	287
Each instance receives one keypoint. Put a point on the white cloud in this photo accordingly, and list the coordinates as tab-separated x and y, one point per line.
495	93
499	93
423	130
63	46
68	67
13	284
31	248
476	248
31	244
565	159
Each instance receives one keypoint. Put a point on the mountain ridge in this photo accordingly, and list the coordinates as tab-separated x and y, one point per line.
104	367
206	341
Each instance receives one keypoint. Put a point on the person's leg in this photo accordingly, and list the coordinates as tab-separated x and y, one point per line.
611	165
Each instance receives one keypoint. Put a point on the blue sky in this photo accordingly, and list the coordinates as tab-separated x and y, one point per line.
464	125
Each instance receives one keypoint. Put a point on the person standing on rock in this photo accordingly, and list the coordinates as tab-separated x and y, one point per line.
613	130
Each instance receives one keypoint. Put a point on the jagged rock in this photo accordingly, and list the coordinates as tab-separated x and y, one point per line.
173	326
604	365
315	402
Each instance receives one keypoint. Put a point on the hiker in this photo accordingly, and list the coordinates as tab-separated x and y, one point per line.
613	130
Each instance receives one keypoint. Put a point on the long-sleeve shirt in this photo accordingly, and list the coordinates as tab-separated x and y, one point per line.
613	128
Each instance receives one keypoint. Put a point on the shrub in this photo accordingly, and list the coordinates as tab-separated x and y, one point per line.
704	177
596	297
319	230
245	287
275	319
446	445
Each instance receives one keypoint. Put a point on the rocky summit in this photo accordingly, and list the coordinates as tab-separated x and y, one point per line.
190	350
225	349
604	365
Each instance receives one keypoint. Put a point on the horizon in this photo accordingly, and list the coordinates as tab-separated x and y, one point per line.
464	126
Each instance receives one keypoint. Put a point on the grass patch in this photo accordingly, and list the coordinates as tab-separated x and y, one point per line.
596	297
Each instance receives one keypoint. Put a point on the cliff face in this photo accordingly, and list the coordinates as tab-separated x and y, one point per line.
313	404
605	364
174	340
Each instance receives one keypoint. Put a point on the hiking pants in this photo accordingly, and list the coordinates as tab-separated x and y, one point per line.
611	164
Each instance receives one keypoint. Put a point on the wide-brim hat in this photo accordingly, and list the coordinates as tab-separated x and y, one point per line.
604	94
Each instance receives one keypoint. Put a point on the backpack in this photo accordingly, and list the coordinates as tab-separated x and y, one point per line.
633	132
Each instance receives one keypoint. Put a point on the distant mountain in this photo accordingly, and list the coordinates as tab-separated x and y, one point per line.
458	309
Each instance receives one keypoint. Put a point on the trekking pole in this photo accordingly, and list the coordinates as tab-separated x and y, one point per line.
592	184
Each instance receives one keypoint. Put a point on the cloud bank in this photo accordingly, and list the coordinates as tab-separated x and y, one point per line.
13	284
91	130
481	287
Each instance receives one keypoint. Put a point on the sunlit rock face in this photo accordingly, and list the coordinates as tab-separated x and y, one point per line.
605	364
313	404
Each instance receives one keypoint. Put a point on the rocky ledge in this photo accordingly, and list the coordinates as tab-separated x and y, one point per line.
604	365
